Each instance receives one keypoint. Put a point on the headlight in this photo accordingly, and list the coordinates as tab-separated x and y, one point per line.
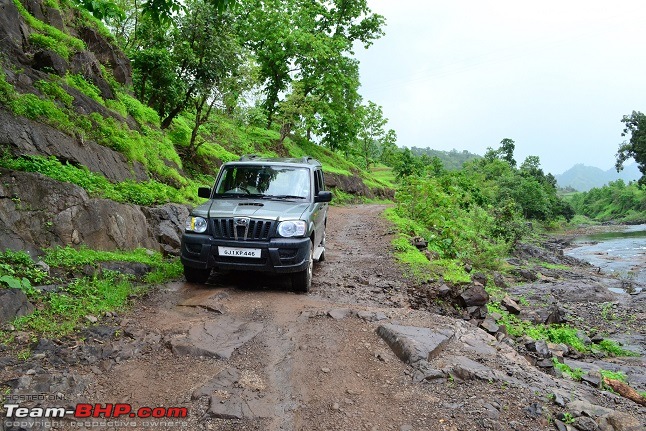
292	228
196	224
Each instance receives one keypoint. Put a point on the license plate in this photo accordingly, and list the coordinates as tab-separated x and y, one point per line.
239	252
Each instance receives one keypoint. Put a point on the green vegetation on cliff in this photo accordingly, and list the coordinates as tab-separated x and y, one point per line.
616	201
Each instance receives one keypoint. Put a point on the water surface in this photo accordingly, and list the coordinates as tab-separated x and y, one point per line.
621	253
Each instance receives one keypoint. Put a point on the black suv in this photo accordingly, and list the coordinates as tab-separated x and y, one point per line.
262	215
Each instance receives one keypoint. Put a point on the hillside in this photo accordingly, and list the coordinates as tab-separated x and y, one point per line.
583	178
452	160
76	147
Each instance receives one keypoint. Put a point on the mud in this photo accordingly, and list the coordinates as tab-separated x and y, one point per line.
314	361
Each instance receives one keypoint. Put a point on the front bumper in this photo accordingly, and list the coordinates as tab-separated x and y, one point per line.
278	255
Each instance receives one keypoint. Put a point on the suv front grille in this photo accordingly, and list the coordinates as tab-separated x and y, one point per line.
226	228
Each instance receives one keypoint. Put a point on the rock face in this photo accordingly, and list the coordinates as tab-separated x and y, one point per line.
37	211
22	136
13	303
355	186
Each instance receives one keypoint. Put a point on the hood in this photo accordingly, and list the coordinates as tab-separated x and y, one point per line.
254	208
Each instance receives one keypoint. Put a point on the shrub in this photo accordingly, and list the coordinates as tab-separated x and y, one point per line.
35	108
55	92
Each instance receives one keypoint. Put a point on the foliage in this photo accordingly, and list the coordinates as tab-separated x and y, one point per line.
63	311
306	47
60	313
614	201
102	9
635	147
49	43
55	92
573	373
149	192
564	334
33	107
451	160
474	216
48	36
80	83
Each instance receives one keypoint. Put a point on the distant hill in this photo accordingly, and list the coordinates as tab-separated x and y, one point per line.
452	160
584	178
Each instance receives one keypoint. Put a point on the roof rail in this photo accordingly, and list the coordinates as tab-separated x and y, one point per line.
307	159
249	157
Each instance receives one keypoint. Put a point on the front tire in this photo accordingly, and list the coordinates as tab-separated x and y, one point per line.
302	281
196	275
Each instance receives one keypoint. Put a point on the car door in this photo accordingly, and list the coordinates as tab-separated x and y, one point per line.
320	208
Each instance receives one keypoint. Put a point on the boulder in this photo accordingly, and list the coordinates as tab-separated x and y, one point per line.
489	325
618	421
510	305
553	315
475	295
50	61
13	303
412	344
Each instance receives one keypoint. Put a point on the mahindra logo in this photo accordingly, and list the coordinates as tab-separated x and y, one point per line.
241	221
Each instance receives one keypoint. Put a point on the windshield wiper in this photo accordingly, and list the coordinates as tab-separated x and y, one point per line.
238	195
283	197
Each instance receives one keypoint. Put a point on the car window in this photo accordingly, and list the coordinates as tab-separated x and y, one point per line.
264	180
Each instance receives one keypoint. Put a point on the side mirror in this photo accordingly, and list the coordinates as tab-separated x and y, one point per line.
204	192
323	196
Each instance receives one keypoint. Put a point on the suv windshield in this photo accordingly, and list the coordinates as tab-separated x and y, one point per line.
264	181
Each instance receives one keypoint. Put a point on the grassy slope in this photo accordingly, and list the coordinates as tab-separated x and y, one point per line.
159	151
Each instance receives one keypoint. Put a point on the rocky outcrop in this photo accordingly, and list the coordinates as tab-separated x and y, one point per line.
13	303
14	33
355	186
37	211
22	136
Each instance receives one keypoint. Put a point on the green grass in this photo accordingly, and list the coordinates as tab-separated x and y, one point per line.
149	192
384	174
55	92
63	312
564	334
45	110
614	375
49	43
48	36
418	264
80	83
574	374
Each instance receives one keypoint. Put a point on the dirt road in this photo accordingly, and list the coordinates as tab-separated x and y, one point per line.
312	363
246	353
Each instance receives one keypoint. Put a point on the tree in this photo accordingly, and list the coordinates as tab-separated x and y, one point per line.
311	42
371	132
504	152
194	64
635	147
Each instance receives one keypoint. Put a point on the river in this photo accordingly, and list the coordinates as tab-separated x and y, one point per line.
622	253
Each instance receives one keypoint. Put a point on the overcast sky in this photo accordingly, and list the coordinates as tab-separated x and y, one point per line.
554	76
